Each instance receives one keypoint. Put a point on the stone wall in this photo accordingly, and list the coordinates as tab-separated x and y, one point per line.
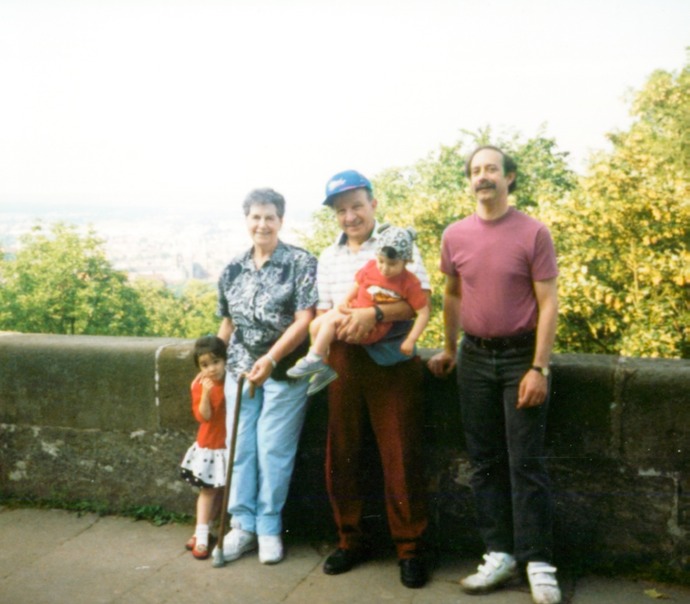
106	420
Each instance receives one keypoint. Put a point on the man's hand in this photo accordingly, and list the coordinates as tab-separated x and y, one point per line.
533	390
442	364
357	324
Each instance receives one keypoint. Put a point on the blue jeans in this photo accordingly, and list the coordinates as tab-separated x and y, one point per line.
267	437
506	448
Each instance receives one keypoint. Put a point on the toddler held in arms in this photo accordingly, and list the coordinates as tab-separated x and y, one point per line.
381	281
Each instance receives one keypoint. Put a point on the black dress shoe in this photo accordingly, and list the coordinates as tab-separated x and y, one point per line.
412	572
341	560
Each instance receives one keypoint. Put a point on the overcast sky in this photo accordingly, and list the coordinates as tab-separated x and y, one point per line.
195	102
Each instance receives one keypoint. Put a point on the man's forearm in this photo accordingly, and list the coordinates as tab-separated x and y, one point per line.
397	311
451	323
547	298
546	336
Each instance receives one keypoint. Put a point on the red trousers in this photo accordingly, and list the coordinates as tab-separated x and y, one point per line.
391	397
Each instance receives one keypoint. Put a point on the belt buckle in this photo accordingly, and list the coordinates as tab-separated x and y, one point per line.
485	343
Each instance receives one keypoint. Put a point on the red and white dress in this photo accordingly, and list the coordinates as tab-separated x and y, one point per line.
205	463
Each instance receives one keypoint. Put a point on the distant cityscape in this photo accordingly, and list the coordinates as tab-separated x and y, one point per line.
168	247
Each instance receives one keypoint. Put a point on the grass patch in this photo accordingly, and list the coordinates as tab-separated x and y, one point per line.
157	515
151	513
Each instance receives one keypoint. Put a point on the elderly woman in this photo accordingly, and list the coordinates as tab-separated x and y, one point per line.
266	298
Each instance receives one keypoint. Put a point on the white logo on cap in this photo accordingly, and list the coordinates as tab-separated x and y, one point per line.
334	184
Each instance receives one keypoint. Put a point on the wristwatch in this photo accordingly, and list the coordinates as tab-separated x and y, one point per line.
378	313
543	370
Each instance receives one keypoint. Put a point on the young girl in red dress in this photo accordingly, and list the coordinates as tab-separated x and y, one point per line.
204	465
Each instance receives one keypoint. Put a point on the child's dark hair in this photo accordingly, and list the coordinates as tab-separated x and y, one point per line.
209	344
389	252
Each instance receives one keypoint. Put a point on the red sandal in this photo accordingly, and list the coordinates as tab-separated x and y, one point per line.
200	552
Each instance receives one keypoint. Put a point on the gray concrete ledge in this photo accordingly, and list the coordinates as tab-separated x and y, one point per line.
107	420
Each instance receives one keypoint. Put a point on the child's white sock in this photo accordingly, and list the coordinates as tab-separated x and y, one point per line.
202	534
314	356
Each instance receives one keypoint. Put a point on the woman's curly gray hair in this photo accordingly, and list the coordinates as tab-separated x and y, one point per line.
264	197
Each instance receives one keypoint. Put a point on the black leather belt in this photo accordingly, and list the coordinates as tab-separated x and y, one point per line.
522	340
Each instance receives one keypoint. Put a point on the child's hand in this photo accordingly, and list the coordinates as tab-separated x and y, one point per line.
206	384
407	347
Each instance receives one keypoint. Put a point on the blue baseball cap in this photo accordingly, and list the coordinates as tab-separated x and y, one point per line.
345	181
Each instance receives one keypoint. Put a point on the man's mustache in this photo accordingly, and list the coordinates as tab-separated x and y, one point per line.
485	184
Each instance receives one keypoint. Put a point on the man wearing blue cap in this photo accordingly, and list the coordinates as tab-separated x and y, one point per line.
376	382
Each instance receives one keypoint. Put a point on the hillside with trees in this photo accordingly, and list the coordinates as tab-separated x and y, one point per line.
621	233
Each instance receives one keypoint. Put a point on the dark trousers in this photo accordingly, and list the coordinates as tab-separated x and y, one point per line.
506	448
391	399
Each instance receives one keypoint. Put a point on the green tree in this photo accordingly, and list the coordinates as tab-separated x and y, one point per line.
163	309
190	314
60	282
624	234
199	301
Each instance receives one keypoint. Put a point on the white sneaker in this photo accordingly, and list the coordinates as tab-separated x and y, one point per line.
270	549
236	543
543	583
498	568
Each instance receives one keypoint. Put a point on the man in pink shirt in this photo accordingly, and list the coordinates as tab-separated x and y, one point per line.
500	268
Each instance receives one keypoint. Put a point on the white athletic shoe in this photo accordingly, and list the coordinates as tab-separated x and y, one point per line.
498	568
270	549
543	583
236	543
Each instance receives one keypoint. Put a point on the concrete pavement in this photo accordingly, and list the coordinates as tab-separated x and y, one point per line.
56	557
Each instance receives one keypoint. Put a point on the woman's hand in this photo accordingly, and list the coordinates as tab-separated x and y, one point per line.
260	371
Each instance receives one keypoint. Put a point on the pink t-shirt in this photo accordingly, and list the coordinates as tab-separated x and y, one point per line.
497	262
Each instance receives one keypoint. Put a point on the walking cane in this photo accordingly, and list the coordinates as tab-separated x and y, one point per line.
218	560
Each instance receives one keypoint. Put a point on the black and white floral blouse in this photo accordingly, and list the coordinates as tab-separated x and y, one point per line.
262	303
